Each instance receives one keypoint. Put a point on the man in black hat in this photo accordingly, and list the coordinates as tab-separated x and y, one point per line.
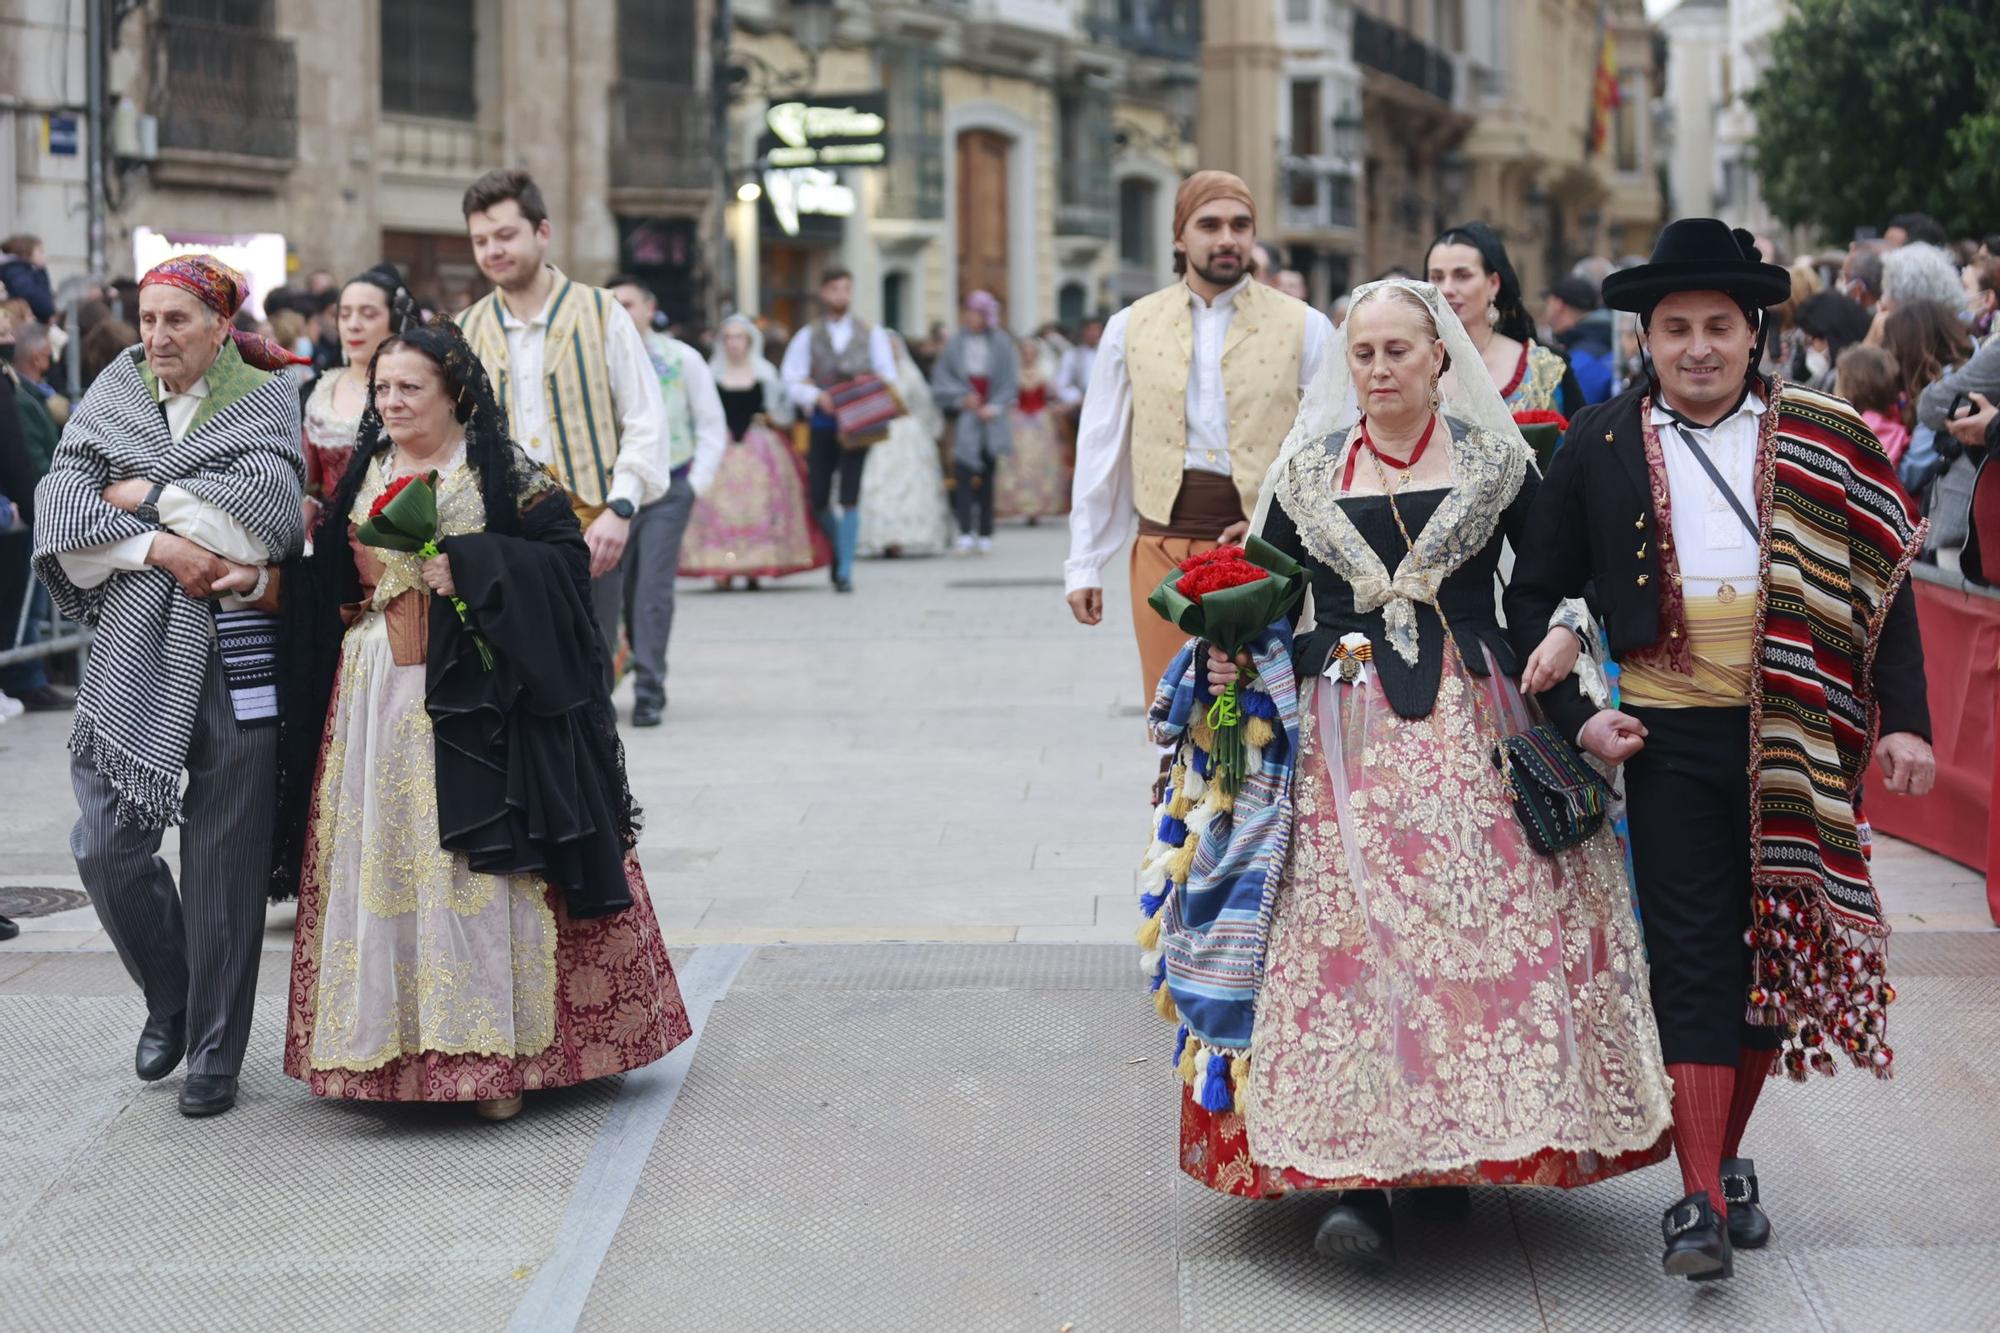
1745	543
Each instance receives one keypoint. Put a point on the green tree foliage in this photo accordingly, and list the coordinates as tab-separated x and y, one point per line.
1875	107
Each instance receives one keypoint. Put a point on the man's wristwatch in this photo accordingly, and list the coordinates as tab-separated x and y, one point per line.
149	508
621	507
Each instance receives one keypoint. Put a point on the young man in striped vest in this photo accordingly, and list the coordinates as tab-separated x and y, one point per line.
1746	544
697	434
1191	393
580	392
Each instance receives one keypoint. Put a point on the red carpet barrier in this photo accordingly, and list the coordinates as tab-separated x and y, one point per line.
1961	627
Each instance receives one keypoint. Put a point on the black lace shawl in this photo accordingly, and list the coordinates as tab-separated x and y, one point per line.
542	720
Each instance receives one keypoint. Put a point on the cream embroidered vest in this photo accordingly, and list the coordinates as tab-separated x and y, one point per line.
576	383
1260	382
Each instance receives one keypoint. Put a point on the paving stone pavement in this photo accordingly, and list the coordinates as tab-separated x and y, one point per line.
935	1096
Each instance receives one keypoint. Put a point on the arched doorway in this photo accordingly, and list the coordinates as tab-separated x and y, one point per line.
983	213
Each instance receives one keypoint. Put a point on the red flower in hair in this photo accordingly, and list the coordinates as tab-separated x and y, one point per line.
1542	418
395	489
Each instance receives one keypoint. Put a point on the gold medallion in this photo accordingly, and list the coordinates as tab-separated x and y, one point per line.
1726	593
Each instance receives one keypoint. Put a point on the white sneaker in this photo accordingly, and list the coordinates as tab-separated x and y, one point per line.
986	546
10	706
965	543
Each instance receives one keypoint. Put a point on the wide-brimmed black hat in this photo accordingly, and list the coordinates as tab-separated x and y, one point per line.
1699	255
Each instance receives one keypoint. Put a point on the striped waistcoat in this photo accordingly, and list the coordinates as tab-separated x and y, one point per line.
576	383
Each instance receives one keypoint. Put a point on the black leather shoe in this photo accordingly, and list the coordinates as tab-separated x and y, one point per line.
1697	1241
843	585
162	1043
1357	1229
208	1094
1442	1203
1749	1228
647	714
8	930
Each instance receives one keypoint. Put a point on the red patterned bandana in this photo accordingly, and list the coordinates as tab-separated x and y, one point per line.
222	289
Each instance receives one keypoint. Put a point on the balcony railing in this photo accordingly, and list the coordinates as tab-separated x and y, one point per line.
1163	29
661	136
218	88
1385	47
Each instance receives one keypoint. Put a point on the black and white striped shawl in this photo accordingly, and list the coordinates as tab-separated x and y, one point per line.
142	687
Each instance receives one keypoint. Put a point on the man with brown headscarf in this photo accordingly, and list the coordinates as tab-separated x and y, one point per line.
1192	392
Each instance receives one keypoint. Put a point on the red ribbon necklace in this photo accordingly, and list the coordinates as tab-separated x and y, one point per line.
1404	464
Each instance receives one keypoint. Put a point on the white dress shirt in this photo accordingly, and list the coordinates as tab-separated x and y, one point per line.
1101	518
181	512
796	371
1710	543
1073	373
711	426
641	473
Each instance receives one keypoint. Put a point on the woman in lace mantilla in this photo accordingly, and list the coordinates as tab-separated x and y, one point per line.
472	920
1440	1005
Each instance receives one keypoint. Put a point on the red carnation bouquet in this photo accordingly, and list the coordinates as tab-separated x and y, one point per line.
404	517
1228	597
1543	430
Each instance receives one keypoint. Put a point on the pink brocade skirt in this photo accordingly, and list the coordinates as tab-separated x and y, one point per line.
1441	1004
752	521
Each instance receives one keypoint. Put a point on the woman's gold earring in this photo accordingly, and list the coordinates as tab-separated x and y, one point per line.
1492	312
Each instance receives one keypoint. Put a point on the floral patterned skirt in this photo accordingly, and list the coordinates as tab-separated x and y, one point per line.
414	978
1441	1004
1033	481
752	521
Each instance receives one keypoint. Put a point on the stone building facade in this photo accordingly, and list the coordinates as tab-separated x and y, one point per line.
352	129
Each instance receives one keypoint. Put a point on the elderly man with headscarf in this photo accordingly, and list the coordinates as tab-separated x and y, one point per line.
178	480
978	378
1192	393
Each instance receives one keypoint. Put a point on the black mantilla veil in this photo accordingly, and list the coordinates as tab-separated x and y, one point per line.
520	501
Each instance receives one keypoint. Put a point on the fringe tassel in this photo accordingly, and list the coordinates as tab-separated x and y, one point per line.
1214	1093
1185	1065
1163	1005
1204	735
1239	1072
1149	933
1181	863
1259	732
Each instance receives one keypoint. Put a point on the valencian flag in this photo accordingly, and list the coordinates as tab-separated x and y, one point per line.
1606	96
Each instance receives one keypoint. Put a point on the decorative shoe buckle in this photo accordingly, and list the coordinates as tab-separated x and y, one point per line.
1683	1218
1736	1189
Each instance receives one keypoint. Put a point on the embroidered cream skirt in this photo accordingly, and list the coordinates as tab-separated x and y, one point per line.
1441	1004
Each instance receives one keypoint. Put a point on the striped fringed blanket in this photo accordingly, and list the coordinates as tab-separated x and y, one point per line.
1209	878
1838	537
247	643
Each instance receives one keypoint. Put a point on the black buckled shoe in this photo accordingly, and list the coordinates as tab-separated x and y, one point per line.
647	713
162	1043
1357	1229
1697	1241
207	1094
1749	1228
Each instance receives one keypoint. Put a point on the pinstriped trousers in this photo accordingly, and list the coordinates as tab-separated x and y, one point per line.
194	950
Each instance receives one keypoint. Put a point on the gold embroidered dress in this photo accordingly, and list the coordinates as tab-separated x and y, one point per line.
415	977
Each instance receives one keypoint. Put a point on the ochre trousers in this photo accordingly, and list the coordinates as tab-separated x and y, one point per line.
1206	505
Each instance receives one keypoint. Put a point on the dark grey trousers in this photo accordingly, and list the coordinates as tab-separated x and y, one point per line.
652	563
194	950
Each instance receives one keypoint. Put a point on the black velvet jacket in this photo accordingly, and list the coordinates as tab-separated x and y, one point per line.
1466	596
1593	533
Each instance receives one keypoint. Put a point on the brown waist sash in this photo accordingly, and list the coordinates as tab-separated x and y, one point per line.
1207	504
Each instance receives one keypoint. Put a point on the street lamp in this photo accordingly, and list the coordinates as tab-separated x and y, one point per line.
1348	132
749	192
812	24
